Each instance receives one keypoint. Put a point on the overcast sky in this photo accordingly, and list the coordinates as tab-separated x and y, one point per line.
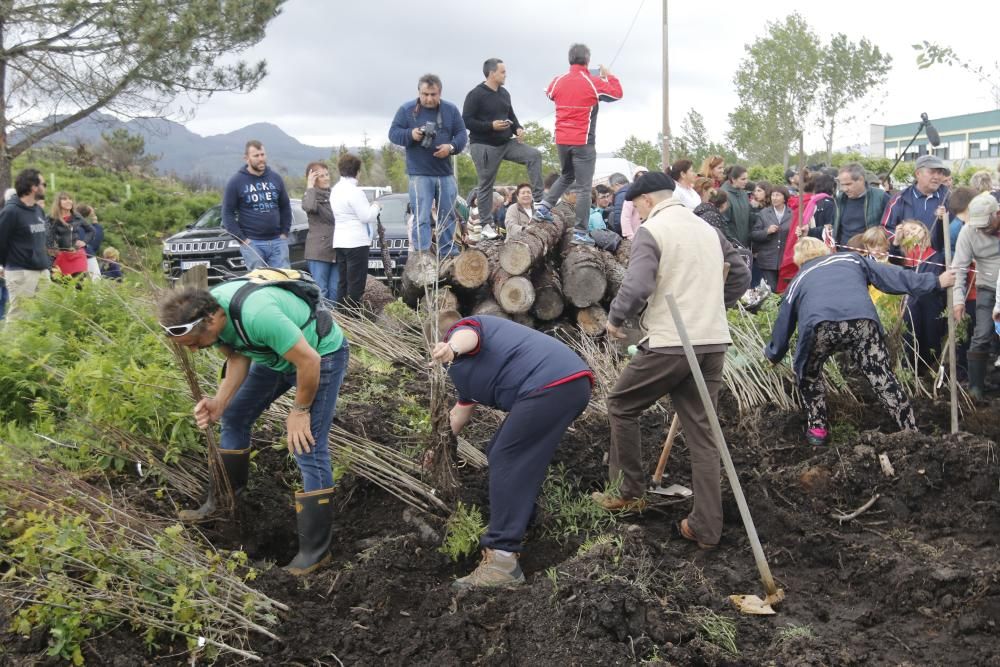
340	70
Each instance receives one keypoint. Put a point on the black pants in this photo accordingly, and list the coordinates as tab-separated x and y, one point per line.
353	264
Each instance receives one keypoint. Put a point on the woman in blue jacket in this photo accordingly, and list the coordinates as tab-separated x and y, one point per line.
829	302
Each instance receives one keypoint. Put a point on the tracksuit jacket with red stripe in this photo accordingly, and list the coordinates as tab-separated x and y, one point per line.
576	95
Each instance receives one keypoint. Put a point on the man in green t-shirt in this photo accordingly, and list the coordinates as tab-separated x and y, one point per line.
284	351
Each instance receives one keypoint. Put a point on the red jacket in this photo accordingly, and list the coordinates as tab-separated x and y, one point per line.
576	95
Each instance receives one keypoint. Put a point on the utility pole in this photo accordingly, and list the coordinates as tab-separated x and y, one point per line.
666	96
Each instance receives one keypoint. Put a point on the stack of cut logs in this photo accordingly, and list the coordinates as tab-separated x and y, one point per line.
534	278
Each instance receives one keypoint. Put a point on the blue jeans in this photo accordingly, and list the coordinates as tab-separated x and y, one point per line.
326	275
3	300
263	386
424	190
271	253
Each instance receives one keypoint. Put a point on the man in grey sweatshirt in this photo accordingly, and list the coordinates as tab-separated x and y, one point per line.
978	242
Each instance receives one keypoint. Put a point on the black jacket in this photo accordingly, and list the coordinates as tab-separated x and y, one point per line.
24	232
483	105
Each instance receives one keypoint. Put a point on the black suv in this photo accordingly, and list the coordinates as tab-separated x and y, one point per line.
206	243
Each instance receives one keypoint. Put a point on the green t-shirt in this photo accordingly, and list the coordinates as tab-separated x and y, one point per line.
273	318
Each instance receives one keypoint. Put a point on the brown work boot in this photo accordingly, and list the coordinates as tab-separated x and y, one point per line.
494	571
618	504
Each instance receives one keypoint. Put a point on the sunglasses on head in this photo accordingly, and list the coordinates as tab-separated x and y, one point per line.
178	330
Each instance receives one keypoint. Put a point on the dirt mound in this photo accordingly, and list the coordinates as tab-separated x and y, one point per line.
911	579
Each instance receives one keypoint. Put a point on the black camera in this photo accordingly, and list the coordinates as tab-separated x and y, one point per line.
430	131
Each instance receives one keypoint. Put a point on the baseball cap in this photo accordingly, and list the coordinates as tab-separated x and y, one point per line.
981	208
932	162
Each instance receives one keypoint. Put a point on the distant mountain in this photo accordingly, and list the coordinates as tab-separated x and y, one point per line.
185	153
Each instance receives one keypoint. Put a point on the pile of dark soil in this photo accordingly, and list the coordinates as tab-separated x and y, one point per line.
914	579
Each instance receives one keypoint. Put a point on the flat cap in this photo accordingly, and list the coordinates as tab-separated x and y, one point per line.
651	181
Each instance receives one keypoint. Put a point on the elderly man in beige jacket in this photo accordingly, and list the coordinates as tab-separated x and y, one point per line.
675	252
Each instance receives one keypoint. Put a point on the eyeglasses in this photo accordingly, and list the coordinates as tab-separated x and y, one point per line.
178	330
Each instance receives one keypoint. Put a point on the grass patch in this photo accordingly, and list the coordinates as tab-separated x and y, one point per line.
570	512
462	532
718	630
792	632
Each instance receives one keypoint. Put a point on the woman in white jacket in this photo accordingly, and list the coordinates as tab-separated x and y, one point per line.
352	235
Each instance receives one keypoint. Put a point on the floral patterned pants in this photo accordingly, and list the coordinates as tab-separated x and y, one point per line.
861	340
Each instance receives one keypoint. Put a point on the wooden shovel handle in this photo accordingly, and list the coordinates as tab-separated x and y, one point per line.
661	465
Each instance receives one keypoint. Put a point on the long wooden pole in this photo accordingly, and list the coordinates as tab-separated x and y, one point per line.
774	594
952	363
666	94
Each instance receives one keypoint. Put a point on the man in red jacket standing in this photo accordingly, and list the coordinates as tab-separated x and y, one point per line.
576	94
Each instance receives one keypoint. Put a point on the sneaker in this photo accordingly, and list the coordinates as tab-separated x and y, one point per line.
494	571
580	238
489	232
817	436
542	213
618	504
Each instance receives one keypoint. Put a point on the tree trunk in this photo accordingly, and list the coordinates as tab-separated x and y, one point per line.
420	272
471	269
515	294
520	254
446	300
489	307
615	273
623	252
592	320
524	319
583	280
549	301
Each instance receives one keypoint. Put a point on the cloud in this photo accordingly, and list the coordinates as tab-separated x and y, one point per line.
340	70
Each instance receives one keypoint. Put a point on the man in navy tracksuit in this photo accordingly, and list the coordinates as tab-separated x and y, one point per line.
543	386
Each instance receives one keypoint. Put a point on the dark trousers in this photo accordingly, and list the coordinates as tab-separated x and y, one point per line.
647	378
863	342
578	164
353	263
520	453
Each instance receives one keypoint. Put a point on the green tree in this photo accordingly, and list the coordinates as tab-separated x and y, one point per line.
849	72
394	167
121	151
643	153
776	85
694	144
537	136
130	57
929	53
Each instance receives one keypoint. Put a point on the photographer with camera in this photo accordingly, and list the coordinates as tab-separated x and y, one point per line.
496	135
431	130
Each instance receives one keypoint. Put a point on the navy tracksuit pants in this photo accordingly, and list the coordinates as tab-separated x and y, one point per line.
519	454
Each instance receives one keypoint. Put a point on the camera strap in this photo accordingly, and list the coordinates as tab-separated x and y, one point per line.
416	112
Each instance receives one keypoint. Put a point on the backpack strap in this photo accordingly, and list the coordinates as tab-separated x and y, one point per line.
324	320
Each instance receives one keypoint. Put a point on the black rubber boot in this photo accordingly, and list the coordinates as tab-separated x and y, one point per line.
236	464
314	513
977	373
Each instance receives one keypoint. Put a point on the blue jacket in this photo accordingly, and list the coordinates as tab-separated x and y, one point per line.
511	362
420	161
909	204
256	207
834	289
615	219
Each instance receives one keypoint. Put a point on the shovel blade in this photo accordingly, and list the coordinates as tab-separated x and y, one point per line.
674	490
751	604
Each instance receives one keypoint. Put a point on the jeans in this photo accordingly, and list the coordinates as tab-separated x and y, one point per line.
424	190
263	386
271	253
3	299
577	176
327	276
488	158
353	275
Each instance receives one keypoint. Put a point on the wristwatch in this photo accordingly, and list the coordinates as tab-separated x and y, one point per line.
301	408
